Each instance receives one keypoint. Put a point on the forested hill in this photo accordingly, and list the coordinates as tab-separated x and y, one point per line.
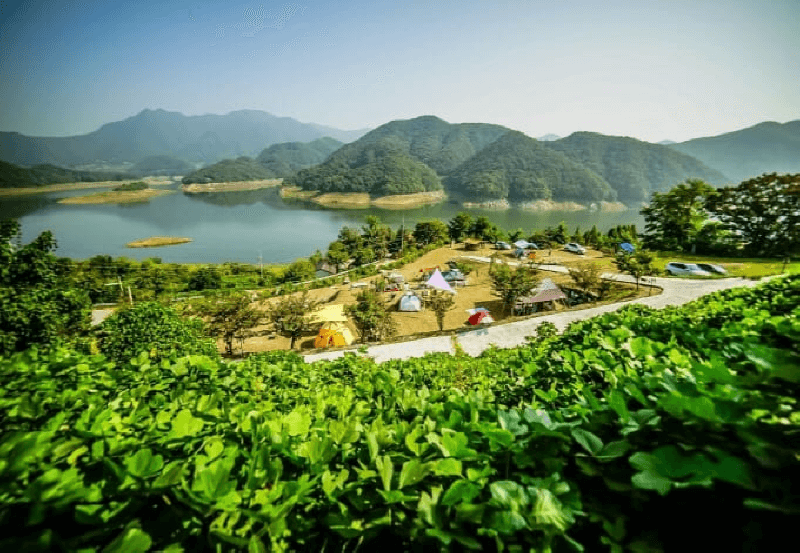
520	168
13	176
198	138
412	152
289	157
764	148
634	168
230	170
381	168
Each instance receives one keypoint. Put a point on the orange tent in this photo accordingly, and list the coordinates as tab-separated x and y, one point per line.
333	334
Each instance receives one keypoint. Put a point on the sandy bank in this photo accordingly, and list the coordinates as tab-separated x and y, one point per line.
362	200
116	197
24	191
157	241
230	186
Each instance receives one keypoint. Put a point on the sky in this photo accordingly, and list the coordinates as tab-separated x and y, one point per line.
653	70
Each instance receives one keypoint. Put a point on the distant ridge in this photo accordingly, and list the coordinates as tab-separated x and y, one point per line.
197	139
763	148
548	137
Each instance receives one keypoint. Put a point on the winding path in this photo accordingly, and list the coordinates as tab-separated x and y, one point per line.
676	291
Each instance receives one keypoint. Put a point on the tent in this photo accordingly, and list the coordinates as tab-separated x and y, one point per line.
522	244
333	334
627	247
410	302
437	281
480	317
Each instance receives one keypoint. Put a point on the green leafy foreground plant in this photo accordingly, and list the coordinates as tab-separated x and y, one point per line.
640	430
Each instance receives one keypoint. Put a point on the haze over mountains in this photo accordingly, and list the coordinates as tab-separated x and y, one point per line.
199	139
479	161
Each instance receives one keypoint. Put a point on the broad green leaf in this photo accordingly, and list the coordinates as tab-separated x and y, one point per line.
297	423
131	540
385	470
412	472
144	464
447	467
454	444
508	493
184	424
255	545
589	441
651	481
460	491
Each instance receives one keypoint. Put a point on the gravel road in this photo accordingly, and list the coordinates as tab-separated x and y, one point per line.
676	291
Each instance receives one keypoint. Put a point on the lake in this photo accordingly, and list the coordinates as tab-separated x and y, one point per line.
239	226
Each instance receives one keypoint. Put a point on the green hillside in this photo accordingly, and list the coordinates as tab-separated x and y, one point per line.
520	168
162	165
230	170
379	168
635	169
14	176
289	157
764	148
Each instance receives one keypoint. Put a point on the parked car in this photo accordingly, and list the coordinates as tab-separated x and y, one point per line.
711	268
453	275
575	248
676	268
502	246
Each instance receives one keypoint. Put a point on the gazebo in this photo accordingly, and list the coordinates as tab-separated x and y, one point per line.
546	292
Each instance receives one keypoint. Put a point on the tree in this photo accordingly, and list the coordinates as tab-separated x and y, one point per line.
586	276
377	236
673	219
510	284
155	329
229	317
337	254
301	270
369	315
441	302
152	277
460	226
37	306
206	278
431	232
637	265
763	211
291	316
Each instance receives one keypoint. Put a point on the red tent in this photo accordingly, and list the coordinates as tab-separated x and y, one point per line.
480	317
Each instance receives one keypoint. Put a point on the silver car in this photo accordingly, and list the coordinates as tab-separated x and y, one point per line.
677	268
575	248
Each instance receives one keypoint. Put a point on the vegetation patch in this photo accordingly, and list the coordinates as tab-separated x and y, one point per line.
157	241
131	186
116	197
238	186
343	200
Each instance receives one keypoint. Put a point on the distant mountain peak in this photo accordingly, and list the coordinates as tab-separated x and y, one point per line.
548	137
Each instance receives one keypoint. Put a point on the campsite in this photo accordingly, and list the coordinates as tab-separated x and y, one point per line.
476	294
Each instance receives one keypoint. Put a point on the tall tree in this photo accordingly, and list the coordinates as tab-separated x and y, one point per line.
637	265
673	219
229	317
441	302
369	315
510	284
431	232
291	316
37	306
763	211
460	226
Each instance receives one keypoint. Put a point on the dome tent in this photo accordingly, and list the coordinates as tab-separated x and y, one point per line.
410	302
334	331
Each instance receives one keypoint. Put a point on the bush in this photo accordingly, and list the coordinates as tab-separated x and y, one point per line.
153	328
205	279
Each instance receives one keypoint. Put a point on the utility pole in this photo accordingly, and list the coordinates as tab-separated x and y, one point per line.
402	235
260	264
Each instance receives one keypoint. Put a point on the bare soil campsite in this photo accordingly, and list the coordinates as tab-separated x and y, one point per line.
478	292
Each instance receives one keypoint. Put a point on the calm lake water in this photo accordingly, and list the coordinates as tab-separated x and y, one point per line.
238	226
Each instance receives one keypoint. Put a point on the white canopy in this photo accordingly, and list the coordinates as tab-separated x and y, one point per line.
437	281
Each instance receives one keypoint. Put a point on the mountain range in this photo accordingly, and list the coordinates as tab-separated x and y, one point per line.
200	139
483	162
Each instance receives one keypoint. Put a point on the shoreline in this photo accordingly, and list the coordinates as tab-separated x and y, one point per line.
68	186
116	197
237	186
362	200
158	241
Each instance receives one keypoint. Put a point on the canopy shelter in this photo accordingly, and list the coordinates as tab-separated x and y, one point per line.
410	302
547	291
438	282
522	244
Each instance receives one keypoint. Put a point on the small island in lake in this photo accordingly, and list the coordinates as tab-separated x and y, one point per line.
158	241
129	192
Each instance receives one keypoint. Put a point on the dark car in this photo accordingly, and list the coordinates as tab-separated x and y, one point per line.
711	268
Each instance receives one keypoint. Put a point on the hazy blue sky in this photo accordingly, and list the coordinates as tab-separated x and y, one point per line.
649	69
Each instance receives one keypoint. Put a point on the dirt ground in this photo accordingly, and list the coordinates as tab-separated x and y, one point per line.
477	293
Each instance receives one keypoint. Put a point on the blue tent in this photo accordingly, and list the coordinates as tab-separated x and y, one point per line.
627	247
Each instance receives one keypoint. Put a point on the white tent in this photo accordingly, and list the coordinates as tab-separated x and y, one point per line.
522	244
410	302
437	281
